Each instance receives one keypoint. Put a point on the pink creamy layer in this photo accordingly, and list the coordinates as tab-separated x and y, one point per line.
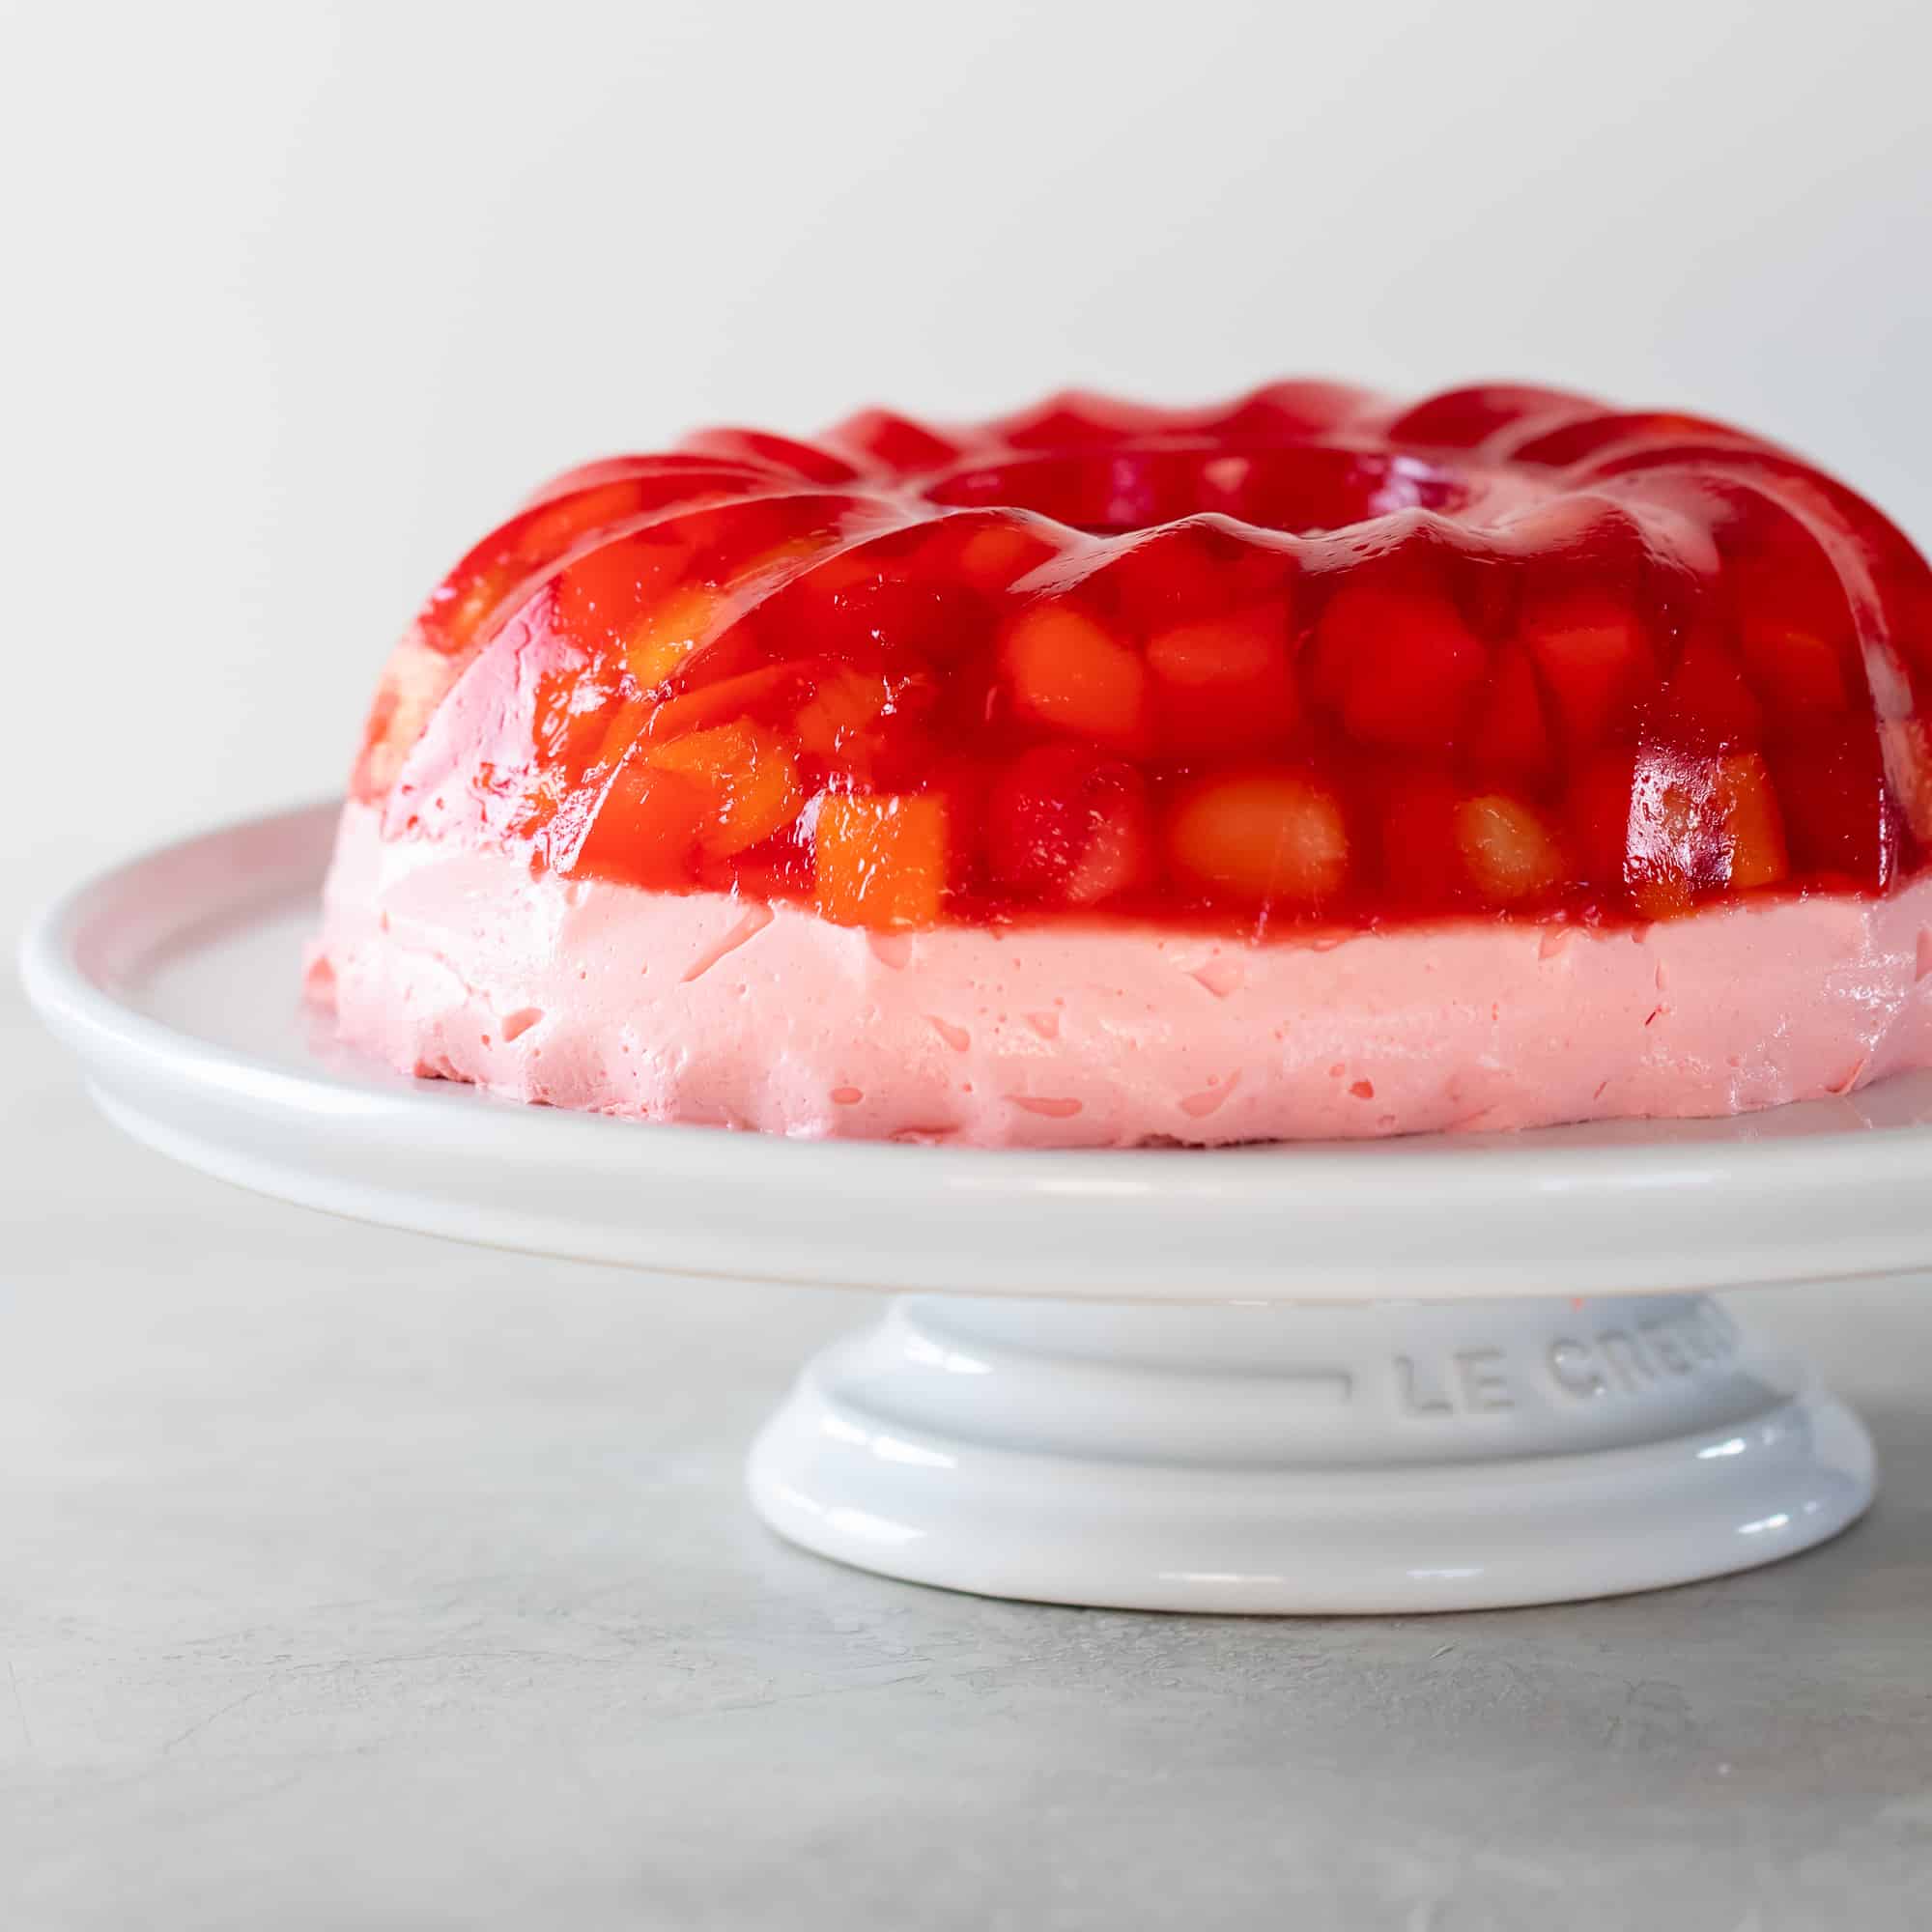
705	1008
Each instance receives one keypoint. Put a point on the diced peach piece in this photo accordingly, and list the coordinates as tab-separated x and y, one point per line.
728	698
1510	851
627	721
669	631
1712	824
1261	836
1753	825
751	779
1065	670
1661	896
1671	850
780	560
845	704
645	829
1217	651
880	860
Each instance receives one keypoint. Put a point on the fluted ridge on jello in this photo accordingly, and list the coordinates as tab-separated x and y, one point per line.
1310	654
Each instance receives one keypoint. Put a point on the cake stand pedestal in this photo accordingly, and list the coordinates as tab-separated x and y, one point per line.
1433	1374
1385	1456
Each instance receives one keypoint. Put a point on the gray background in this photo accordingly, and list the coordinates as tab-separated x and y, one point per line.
349	1579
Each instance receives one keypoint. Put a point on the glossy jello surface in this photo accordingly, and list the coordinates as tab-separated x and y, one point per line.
1308	657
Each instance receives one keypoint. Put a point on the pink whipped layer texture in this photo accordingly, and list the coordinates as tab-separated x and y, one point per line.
705	1008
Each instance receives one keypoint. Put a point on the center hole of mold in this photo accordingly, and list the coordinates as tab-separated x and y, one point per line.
1300	488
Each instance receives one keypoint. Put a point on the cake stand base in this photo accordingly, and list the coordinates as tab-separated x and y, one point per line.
1312	1457
1319	1378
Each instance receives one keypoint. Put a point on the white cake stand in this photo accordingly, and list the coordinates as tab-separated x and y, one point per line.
1420	1375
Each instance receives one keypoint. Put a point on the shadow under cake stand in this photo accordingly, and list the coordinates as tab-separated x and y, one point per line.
1429	1374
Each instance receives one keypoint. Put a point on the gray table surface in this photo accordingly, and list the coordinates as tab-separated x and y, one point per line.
352	1579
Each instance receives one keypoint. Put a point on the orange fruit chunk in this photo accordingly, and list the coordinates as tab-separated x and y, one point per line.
1262	837
751	776
669	631
1753	826
880	859
1065	670
1508	849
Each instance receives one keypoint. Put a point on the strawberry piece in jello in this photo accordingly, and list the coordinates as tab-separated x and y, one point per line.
1398	665
1066	826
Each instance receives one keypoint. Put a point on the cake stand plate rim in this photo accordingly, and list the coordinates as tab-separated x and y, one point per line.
140	970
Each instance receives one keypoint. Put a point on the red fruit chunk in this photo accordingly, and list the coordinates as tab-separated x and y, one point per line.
1597	809
646	828
1596	661
1706	702
1422	861
868	617
1509	736
880	861
1259	839
1842	817
1802	671
1064	827
1400	667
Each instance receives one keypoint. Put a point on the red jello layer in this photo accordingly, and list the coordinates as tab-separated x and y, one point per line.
1310	656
